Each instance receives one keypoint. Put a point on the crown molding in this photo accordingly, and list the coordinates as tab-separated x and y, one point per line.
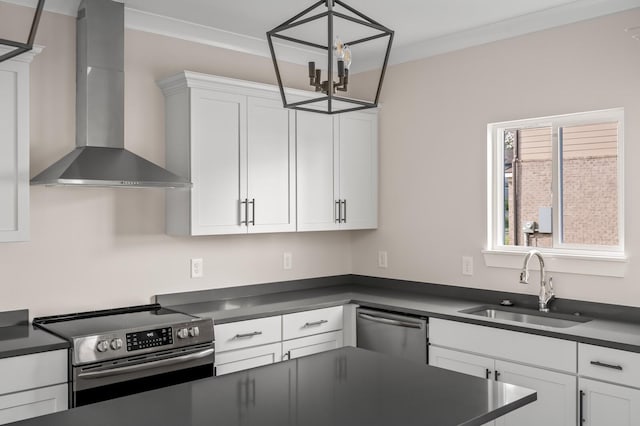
63	7
532	22
514	27
23	57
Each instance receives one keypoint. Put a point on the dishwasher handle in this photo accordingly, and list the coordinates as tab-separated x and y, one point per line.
388	321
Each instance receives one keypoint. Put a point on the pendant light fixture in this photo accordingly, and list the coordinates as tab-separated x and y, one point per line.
19	47
331	75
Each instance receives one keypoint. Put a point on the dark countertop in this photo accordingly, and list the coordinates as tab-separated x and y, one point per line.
346	386
598	331
18	337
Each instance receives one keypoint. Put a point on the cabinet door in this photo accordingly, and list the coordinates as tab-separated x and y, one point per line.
605	404
270	166
32	403
218	172
243	359
357	133
461	362
315	172
14	151
312	345
556	404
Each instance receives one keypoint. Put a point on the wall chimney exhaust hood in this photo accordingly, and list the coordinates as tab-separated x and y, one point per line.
99	158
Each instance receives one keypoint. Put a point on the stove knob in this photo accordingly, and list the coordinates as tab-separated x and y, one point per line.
194	331
116	344
102	346
183	333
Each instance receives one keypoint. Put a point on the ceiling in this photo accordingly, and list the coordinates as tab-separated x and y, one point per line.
422	27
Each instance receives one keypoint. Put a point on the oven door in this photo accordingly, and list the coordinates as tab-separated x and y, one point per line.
126	376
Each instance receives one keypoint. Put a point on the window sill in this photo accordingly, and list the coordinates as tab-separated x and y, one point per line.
584	263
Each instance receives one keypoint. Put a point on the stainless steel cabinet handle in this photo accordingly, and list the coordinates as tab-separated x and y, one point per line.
245	335
344	213
286	355
582	420
314	323
496	375
246	211
337	213
487	374
146	365
253	212
602	364
390	321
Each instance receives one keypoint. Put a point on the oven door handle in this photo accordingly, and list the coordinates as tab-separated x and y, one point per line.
146	365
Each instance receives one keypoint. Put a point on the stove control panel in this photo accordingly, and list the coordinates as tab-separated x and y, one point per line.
149	339
140	341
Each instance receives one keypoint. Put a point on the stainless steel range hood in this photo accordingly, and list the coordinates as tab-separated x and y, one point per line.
99	158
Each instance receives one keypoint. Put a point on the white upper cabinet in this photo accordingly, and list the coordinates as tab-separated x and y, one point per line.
357	135
317	180
14	148
235	141
270	166
337	159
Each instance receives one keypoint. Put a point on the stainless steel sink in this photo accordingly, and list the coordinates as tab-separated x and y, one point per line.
527	316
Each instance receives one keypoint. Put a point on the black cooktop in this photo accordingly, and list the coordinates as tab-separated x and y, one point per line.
112	320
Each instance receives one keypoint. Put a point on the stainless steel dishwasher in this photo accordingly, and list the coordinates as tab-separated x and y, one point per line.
399	335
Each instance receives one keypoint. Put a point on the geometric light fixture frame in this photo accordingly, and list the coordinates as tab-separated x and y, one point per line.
19	47
330	97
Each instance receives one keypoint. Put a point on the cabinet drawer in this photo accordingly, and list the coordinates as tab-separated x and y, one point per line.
611	365
33	371
243	359
244	334
310	345
311	322
32	403
556	354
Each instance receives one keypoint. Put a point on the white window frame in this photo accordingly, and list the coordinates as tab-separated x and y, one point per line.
563	257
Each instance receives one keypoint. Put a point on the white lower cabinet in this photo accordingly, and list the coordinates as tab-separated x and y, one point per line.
252	343
32	403
33	385
304	346
605	404
243	359
556	396
609	386
476	350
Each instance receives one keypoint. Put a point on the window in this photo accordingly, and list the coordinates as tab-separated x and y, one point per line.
556	183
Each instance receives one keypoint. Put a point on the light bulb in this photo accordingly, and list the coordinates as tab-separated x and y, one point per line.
338	48
346	56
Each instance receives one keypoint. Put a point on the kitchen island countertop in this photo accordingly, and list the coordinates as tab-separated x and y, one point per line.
347	386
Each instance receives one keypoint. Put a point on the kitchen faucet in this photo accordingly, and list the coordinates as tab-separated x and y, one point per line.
546	287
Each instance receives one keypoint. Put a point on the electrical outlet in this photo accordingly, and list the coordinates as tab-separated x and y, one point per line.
196	268
287	260
382	259
467	265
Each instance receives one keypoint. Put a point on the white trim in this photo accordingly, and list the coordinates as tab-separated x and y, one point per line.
63	7
537	21
588	263
184	30
23	57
